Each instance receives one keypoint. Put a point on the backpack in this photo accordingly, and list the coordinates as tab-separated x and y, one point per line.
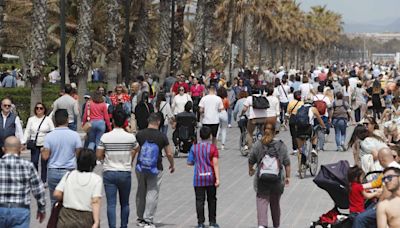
260	102
302	118
270	164
321	106
148	158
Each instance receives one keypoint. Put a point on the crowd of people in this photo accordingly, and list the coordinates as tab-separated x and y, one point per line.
133	123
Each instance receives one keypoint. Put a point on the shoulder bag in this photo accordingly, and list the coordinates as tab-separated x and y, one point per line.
87	126
31	144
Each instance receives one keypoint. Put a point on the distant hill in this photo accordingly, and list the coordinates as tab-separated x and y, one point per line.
393	26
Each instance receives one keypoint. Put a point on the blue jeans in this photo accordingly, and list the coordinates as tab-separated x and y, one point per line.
53	178
117	181
340	126
321	136
229	115
96	131
15	217
35	155
366	219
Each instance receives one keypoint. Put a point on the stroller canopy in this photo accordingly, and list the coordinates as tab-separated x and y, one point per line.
333	179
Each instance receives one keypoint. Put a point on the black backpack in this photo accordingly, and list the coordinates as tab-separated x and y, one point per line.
302	116
260	102
162	119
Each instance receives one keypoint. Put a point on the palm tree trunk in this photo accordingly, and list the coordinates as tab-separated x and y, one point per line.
113	44
164	39
227	53
179	35
2	31
83	59
140	41
39	45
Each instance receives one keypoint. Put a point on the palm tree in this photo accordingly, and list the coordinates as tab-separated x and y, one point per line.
83	59
164	38
2	26
179	35
39	45
112	42
139	39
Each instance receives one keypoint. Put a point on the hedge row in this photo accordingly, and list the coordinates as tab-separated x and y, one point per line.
21	97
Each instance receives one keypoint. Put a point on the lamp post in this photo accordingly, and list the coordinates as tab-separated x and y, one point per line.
63	41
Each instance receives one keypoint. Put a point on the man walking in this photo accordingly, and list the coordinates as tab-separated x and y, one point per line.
61	146
18	178
118	149
68	103
149	170
210	105
10	123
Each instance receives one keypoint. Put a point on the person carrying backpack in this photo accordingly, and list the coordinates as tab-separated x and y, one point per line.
340	117
305	118
272	173
322	104
149	169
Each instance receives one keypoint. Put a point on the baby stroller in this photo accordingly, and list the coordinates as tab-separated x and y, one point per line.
185	132
333	179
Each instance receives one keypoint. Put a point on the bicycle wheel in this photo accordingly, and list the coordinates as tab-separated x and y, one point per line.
313	160
302	167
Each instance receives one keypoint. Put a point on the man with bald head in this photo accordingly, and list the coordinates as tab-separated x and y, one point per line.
368	217
18	178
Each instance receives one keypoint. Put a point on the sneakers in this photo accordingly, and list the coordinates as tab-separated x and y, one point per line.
141	223
214	225
150	225
246	147
314	152
229	126
223	147
201	225
294	152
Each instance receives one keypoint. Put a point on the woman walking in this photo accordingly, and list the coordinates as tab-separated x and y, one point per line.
292	108
180	100
97	114
164	108
339	119
36	129
143	110
269	188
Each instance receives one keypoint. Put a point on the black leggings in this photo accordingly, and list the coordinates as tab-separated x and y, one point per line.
201	193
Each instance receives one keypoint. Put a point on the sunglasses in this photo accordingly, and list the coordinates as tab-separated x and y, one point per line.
39	108
6	105
389	178
181	90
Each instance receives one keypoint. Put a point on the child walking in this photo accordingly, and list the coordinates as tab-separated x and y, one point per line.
204	157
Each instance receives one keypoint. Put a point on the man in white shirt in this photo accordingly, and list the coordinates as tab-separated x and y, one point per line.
54	76
10	124
280	73
210	105
324	115
255	116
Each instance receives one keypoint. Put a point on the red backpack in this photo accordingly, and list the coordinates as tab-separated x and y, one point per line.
321	106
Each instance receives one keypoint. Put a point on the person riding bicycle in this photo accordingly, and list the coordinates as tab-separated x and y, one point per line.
323	105
257	104
305	118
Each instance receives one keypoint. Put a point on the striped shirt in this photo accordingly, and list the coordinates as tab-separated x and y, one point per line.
118	145
201	156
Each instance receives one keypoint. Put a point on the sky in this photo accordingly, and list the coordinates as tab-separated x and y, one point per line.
378	12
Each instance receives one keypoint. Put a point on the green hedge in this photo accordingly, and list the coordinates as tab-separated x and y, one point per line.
21	97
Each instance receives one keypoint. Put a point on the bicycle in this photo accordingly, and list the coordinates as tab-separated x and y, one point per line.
305	161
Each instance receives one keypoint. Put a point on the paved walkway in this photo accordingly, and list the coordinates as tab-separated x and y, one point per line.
301	203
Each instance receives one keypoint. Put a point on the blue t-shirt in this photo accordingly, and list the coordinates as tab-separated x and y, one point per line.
201	156
62	143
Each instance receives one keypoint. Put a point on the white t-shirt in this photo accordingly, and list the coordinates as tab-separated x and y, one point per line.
324	98
179	102
274	106
255	113
79	188
118	145
283	91
211	105
305	89
54	76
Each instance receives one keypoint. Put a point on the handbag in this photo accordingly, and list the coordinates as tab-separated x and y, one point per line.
87	126
260	102
31	144
55	211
